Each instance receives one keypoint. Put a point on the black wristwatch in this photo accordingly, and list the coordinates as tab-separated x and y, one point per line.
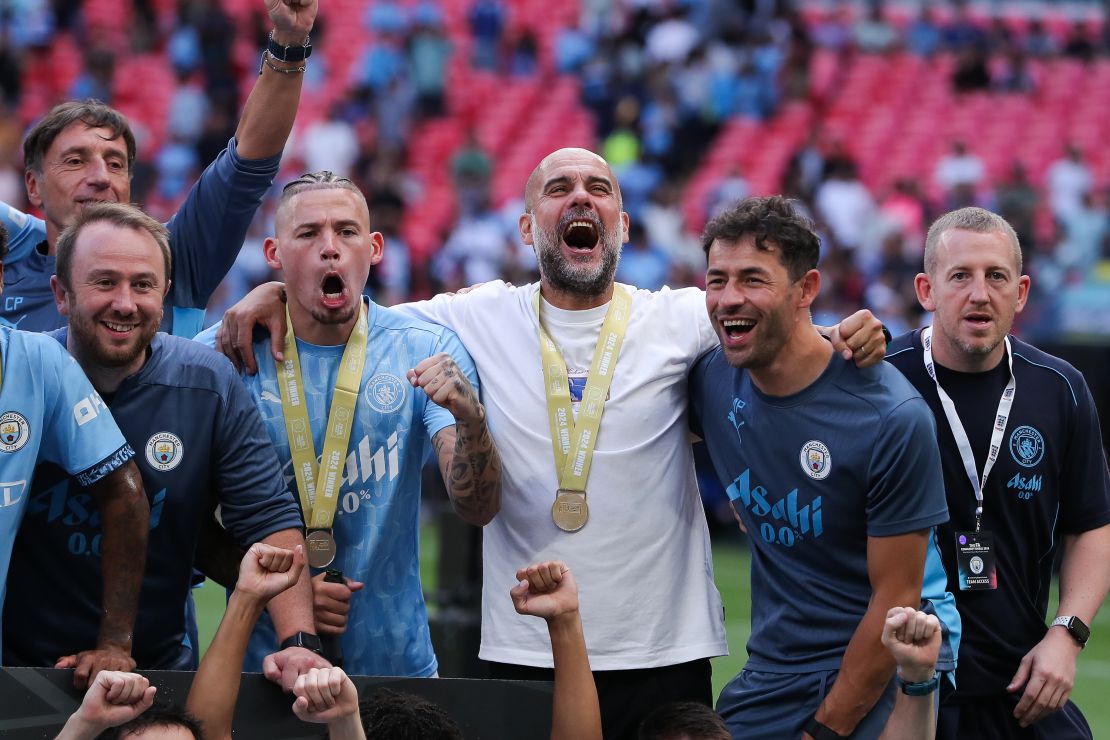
1075	627
305	640
819	731
288	53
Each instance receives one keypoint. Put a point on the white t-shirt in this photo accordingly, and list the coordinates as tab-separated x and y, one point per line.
642	562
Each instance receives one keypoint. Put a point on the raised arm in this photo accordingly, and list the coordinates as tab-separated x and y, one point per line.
468	459
895	566
113	699
548	590
125	513
271	108
913	639
264	573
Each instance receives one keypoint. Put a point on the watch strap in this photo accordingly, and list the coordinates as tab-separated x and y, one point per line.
1075	626
282	53
305	640
919	688
819	731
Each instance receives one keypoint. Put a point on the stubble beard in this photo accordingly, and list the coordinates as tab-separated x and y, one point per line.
560	273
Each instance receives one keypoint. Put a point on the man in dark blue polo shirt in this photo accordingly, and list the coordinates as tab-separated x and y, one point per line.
194	429
1023	467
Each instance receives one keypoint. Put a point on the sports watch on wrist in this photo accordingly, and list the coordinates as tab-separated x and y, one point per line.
1075	627
919	688
820	731
282	53
305	640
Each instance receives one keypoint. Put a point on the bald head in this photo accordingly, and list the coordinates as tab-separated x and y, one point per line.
570	155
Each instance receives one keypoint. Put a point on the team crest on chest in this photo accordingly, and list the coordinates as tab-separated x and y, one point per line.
816	460
14	431
385	392
1026	446
164	451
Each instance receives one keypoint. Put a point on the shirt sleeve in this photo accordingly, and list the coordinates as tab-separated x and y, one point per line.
24	232
79	433
254	500
906	491
1085	488
436	417
208	231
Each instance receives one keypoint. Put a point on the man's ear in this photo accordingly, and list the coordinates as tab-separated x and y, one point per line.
525	224
923	286
377	245
31	181
60	295
270	250
811	286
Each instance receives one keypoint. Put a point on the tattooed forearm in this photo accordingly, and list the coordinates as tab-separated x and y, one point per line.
471	469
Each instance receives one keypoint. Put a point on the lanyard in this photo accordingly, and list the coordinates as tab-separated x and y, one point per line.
581	436
962	443
320	510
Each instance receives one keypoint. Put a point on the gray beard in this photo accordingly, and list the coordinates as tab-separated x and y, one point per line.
562	276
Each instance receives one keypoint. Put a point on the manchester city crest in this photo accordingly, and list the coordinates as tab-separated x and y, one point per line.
816	460
14	431
164	451
385	392
1026	446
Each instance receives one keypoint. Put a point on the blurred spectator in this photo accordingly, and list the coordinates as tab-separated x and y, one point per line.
905	208
1015	199
963	34
732	189
923	36
477	251
958	167
622	147
873	33
666	228
471	168
641	264
429	51
382	62
1068	180
971	73
672	39
523	56
95	80
845	204
188	109
386	17
1014	74
331	144
833	30
487	21
1079	44
1084	231
1038	41
390	279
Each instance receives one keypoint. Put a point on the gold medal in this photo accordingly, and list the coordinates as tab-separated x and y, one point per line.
570	511
319	548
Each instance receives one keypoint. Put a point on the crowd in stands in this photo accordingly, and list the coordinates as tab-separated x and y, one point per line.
661	79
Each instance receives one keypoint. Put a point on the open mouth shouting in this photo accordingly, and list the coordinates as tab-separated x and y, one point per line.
581	234
333	290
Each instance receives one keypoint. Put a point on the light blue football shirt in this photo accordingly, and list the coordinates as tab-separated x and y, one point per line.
377	516
48	412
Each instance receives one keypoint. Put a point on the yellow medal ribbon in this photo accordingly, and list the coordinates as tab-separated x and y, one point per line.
581	436
318	485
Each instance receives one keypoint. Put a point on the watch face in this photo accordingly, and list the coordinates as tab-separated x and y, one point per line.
1079	631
